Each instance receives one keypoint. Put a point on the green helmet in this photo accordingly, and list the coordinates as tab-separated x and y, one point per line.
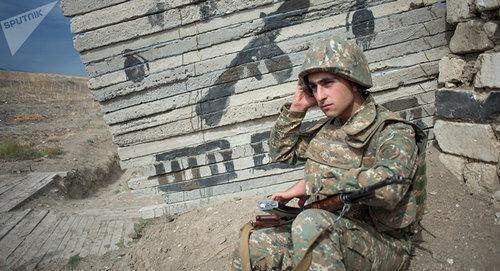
339	57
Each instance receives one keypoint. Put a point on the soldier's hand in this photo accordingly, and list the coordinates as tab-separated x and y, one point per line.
283	197
301	101
295	191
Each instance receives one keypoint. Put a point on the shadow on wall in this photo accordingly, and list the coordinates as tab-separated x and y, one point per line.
262	47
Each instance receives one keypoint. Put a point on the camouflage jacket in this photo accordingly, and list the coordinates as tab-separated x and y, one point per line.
344	157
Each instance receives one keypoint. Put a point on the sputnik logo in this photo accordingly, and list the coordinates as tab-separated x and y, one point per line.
18	28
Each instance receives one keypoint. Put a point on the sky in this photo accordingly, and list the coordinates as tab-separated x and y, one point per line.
49	49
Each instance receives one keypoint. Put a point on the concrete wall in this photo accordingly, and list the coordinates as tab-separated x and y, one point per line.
190	88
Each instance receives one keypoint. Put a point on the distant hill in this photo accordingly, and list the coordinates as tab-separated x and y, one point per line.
17	86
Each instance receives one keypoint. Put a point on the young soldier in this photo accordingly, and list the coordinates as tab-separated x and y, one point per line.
359	144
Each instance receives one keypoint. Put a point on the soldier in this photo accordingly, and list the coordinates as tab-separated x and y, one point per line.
360	143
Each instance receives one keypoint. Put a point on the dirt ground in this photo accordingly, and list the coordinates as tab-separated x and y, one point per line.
466	234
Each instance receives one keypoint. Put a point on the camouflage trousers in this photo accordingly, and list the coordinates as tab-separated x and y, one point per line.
337	245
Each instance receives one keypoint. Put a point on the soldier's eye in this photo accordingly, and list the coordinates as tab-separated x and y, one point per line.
329	83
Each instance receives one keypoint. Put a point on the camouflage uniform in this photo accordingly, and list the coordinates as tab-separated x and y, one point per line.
372	145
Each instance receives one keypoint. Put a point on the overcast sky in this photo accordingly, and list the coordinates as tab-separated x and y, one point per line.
48	49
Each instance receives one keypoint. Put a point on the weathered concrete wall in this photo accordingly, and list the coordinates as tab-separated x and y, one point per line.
468	102
190	88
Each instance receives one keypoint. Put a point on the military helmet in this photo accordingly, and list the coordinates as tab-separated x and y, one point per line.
338	56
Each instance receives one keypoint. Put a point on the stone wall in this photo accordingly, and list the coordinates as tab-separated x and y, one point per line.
190	88
467	128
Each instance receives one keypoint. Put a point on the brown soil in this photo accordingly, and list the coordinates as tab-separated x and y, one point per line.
52	111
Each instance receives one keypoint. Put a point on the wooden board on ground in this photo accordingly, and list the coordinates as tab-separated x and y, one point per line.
22	188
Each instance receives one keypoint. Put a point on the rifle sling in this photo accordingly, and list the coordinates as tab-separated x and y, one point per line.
245	232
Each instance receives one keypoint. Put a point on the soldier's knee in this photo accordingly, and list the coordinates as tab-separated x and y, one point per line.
313	220
310	215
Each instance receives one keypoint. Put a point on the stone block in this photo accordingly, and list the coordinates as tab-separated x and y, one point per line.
118	13
470	37
475	141
488	75
496	128
492	30
467	105
72	7
481	179
455	164
459	11
451	69
399	77
125	31
482	5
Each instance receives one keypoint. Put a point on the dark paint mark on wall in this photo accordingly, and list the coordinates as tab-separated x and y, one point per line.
451	104
172	156
363	24
157	19
221	144
208	9
135	66
263	47
257	141
401	104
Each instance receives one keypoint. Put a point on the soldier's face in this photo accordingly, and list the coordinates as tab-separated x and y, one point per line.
333	94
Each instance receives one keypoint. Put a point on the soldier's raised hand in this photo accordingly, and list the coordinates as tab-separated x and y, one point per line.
301	101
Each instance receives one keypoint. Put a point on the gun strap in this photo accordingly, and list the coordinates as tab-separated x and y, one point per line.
245	232
305	262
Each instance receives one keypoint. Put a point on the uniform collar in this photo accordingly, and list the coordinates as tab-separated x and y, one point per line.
362	118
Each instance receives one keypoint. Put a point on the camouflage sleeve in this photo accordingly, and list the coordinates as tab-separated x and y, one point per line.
286	144
396	154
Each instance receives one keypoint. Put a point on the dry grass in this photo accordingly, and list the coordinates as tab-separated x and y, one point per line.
27	118
10	149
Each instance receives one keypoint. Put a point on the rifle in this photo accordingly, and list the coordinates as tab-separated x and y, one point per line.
280	214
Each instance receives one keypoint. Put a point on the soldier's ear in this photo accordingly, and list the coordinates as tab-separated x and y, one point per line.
354	87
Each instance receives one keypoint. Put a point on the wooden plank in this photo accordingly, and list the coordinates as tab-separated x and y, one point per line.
106	242
28	249
76	242
117	234
53	249
71	237
72	233
36	182
4	217
52	243
10	197
14	218
91	237
10	194
99	240
17	235
10	183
